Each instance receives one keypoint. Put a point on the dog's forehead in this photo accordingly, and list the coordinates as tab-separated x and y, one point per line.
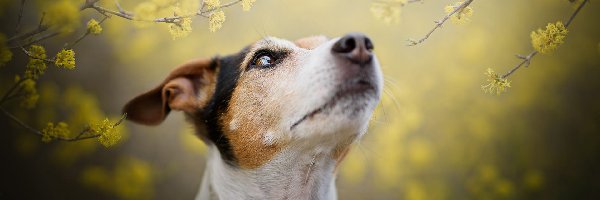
311	42
273	43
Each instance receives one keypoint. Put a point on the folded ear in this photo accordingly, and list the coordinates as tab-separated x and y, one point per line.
187	88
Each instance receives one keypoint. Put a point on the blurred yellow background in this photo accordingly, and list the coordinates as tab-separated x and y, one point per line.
435	135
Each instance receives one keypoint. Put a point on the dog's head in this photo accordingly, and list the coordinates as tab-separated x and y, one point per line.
273	94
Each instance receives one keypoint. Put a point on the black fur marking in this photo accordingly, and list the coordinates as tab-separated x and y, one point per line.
229	74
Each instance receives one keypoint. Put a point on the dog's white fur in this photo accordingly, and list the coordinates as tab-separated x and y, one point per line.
303	169
278	130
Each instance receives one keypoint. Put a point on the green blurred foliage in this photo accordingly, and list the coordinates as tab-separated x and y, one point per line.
436	135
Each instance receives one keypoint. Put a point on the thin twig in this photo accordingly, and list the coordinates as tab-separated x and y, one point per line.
32	56
103	10
87	32
76	138
44	37
23	124
527	59
575	13
28	34
20	16
40	28
121	10
439	23
8	93
130	16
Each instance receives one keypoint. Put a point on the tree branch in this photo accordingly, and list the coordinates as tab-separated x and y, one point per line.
28	34
527	59
32	56
44	37
87	32
8	93
20	16
76	138
439	23
130	16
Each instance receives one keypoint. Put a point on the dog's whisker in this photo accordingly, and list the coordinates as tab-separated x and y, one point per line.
391	96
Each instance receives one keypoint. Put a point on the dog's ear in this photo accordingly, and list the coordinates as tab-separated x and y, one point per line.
187	88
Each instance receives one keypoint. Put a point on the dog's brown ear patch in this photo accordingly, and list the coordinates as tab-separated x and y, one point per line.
311	42
187	88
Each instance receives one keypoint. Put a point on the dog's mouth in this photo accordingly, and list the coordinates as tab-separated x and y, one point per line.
353	90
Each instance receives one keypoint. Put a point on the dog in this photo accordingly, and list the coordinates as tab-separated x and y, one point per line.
278	117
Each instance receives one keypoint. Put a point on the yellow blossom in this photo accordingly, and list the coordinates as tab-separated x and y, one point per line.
387	11
108	135
5	53
533	179
247	4
165	3
94	27
496	84
66	59
36	65
63	15
181	28
215	20
461	16
548	40
504	188
130	178
30	95
60	130
145	12
212	3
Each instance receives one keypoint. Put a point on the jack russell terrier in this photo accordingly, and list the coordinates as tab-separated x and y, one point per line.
278	117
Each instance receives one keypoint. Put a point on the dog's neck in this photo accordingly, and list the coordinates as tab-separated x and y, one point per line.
297	172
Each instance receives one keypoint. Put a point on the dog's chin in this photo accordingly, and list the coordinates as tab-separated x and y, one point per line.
347	111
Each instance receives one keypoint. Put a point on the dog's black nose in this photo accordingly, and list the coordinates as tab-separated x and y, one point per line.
356	47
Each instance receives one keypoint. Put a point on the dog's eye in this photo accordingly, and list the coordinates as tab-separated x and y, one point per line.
263	60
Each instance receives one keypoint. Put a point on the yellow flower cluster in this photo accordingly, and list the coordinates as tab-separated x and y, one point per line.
145	11
488	181
215	20
5	53
181	28
37	64
60	130
166	3
108	135
63	15
387	11
247	4
30	94
94	27
546	41
496	84
212	3
65	58
461	16
130	178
